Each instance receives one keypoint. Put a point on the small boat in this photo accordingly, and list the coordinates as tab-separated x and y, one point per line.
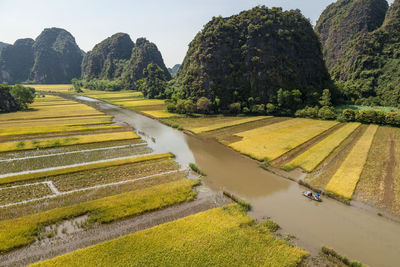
312	196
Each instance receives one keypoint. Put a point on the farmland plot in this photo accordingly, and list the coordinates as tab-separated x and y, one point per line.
344	181
222	237
274	140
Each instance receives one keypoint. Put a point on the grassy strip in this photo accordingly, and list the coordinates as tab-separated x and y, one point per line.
203	129
196	169
219	237
344	181
274	140
139	103
53	129
53	87
67	141
342	259
158	113
242	203
22	231
311	158
92	166
100	119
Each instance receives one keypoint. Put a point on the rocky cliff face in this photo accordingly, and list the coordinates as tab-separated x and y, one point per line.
54	57
57	57
343	22
143	54
253	54
16	61
367	61
108	58
2	45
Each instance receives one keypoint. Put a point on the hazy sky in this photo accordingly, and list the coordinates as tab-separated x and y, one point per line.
170	24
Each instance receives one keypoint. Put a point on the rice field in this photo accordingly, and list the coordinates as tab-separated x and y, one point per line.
62	160
22	231
311	158
66	141
344	181
59	88
379	183
77	168
221	237
272	141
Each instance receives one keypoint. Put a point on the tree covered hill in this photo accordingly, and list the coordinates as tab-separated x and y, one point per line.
122	62
54	57
107	59
361	43
253	55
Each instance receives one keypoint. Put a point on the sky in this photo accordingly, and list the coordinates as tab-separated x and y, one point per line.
170	24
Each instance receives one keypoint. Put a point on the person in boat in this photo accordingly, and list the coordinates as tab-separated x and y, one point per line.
309	194
317	195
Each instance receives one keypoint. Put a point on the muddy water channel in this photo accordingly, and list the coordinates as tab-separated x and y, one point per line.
352	231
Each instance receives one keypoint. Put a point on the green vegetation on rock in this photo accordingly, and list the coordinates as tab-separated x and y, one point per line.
254	54
361	40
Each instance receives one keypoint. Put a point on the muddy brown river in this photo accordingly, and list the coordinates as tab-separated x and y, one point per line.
352	231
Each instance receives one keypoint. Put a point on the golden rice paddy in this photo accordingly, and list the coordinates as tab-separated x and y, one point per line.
272	141
311	158
344	181
66	141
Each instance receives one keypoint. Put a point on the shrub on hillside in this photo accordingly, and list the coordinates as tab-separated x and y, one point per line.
234	108
327	113
348	115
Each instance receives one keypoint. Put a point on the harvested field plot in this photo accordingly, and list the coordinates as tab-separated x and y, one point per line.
23	192
59	88
158	113
22	231
68	121
76	197
274	140
35	161
379	183
345	179
311	158
214	237
71	169
209	123
66	141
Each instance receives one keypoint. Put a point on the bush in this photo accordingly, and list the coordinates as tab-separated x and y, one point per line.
203	105
22	95
171	107
259	109
369	116
348	115
327	113
307	112
190	107
196	169
392	118
246	110
234	108
270	108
